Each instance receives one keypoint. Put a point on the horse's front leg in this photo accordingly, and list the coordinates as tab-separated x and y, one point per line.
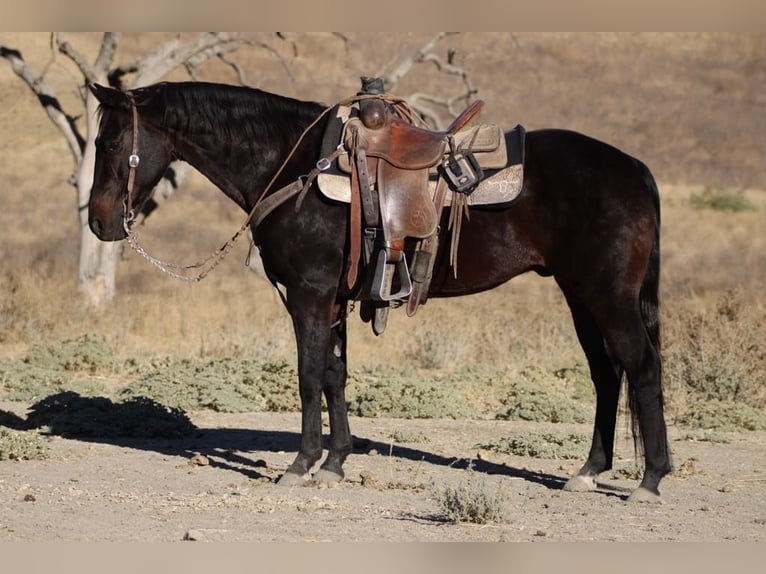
334	387
321	367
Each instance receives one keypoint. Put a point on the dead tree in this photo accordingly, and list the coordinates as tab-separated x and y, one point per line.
98	261
436	110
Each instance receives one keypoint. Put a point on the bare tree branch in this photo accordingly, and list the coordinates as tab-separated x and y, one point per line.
66	48
173	54
406	64
343	39
237	69
270	48
98	260
48	99
108	50
290	39
451	69
427	105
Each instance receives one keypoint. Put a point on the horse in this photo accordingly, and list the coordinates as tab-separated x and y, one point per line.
588	215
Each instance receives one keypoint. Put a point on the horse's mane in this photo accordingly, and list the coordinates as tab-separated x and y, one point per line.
229	111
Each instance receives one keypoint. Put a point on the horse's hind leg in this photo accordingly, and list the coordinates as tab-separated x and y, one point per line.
629	343
606	375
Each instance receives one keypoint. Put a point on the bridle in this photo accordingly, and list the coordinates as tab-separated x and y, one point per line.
129	215
265	204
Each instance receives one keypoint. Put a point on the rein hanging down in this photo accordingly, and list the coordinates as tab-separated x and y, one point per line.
264	205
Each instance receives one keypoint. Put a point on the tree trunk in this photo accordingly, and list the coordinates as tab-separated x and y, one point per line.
98	259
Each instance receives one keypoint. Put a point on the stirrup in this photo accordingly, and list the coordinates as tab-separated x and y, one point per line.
380	289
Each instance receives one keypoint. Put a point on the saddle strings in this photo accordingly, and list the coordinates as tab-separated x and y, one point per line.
214	259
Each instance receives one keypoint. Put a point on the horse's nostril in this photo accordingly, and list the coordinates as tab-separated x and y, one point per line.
96	226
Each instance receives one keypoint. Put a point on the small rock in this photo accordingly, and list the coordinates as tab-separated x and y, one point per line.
687	469
373	452
199	460
484	454
368	479
541	533
727	488
29	498
260	463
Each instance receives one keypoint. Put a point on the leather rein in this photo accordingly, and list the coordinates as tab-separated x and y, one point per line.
263	206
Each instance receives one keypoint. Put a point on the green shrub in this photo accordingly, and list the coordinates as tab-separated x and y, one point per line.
543	445
721	200
715	365
223	385
722	416
531	402
22	445
405	394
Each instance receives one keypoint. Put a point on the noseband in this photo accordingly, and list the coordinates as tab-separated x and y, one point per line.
129	214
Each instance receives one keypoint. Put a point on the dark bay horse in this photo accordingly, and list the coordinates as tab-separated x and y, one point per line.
588	216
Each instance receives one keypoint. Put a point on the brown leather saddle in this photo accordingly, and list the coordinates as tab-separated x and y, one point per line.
400	173
389	159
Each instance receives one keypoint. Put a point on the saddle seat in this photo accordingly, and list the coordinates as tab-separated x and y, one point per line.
403	144
389	159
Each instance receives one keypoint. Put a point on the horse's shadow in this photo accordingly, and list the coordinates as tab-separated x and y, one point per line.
144	424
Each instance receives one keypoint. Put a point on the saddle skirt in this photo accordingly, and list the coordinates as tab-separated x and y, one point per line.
397	178
500	155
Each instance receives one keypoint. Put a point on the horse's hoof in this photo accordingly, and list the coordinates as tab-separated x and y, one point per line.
292	479
642	494
579	483
323	476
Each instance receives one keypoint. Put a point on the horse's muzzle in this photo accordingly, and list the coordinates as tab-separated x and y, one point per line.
106	232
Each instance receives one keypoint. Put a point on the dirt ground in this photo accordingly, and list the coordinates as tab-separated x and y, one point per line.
152	490
689	105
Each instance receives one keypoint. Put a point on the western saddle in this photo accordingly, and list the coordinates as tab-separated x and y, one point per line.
390	160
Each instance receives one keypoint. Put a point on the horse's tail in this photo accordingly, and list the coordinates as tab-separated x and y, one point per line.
649	302
649	295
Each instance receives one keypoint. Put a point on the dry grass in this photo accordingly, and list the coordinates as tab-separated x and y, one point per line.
472	502
713	306
509	353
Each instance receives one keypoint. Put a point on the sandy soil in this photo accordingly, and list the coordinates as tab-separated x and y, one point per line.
690	106
140	490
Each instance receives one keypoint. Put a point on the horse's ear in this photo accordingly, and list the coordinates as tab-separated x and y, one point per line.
109	96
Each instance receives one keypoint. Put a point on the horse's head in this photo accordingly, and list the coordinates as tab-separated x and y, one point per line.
126	142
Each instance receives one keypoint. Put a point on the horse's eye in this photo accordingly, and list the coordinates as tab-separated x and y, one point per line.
110	146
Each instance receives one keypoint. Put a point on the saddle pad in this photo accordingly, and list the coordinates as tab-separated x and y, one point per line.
499	187
485	141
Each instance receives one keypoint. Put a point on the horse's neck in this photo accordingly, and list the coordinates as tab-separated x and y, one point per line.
242	171
239	183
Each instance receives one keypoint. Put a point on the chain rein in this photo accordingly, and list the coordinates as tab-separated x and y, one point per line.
215	258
